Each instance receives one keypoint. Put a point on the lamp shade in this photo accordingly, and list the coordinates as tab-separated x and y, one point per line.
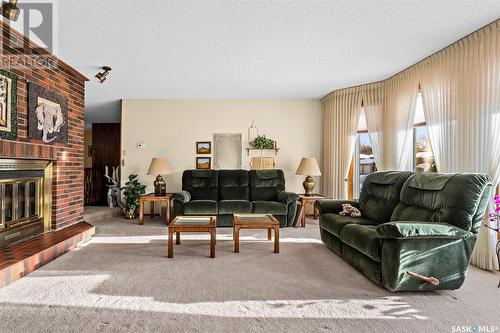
158	166
308	167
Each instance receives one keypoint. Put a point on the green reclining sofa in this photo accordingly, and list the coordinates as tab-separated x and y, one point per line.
225	192
422	223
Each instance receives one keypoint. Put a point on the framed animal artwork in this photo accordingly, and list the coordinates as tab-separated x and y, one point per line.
48	115
8	105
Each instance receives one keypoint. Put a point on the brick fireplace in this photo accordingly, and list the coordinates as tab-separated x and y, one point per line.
64	161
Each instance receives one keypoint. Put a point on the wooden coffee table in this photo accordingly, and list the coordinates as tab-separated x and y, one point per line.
256	221
191	224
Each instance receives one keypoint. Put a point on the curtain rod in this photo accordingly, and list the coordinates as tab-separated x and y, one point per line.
418	62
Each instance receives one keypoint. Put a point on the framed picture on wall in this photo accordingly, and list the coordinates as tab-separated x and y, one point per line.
203	147
47	115
8	105
203	163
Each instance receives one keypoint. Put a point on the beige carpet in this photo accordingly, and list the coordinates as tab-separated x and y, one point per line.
122	281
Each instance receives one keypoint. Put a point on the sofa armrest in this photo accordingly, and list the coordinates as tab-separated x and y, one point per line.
287	197
420	230
182	196
326	206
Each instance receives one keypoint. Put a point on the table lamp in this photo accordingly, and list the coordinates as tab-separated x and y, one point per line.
308	167
158	167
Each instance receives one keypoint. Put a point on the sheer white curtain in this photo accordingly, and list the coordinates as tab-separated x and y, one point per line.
438	89
374	106
401	98
461	95
340	121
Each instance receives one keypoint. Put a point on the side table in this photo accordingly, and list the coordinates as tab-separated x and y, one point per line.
151	198
304	202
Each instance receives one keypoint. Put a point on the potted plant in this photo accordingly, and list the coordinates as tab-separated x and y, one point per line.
132	190
261	142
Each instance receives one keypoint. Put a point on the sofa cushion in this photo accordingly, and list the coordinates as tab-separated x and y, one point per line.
460	199
334	223
234	206
380	194
269	207
200	207
233	185
266	184
363	238
201	184
420	230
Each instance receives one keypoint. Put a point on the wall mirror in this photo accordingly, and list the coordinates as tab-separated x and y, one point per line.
227	151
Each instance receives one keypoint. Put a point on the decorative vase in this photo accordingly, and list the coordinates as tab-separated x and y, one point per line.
130	214
253	132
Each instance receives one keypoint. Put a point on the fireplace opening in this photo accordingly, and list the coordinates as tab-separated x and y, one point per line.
25	199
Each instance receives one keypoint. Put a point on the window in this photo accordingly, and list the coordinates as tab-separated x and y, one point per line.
364	161
424	157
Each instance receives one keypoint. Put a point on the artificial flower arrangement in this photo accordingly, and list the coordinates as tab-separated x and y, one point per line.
494	217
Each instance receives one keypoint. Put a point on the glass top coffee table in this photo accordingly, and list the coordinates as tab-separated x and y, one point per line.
256	221
191	224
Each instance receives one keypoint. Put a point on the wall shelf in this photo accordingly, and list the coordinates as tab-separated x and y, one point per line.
275	150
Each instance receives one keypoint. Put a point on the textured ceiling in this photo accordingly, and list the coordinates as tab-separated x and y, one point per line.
251	49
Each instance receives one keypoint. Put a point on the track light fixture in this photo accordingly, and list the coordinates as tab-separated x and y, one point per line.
101	76
10	10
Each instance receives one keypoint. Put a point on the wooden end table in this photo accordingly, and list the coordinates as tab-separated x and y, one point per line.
191	224
151	198
256	221
304	202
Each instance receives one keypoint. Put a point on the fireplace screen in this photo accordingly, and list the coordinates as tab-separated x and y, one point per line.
19	198
24	199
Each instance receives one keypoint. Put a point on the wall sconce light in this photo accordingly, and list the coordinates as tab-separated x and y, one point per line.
101	76
10	10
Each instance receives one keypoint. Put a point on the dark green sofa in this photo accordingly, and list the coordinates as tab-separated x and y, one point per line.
423	223
225	192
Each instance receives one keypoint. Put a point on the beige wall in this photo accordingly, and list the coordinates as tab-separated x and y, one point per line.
87	141
170	129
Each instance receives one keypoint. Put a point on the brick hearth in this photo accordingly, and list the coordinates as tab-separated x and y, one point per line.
20	259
